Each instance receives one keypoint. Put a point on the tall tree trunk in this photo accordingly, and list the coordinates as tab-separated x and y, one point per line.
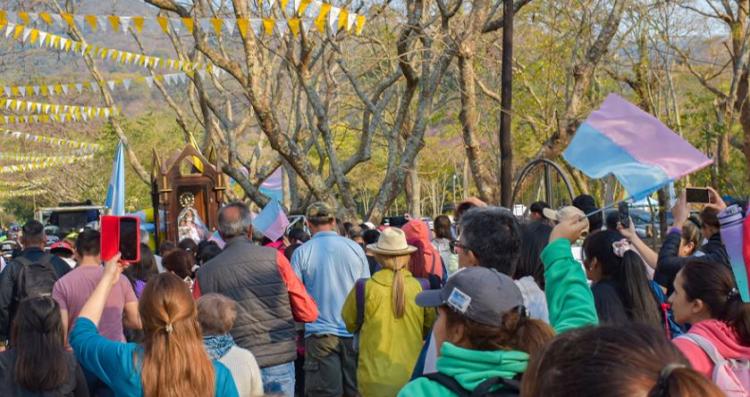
469	117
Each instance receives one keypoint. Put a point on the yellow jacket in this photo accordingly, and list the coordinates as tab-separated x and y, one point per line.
388	347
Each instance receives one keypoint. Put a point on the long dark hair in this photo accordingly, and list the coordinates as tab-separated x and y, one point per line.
534	237
144	270
627	273
37	337
714	284
442	226
616	361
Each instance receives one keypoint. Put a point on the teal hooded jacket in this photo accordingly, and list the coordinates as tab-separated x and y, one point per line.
570	303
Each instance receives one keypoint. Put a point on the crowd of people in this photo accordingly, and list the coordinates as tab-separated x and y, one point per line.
479	302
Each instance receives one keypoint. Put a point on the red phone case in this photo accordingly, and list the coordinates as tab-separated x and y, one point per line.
110	237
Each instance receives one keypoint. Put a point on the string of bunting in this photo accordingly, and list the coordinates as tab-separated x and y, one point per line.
7	169
52	41
40	119
29	158
88	147
25	184
73	88
22	193
84	112
304	12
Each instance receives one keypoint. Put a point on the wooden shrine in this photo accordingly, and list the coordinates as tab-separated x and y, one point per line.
187	185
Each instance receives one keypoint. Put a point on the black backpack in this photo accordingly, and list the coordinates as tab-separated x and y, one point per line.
35	278
510	387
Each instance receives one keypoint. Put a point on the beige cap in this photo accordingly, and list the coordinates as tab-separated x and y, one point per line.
564	213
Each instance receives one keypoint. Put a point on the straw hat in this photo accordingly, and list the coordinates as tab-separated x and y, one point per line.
392	242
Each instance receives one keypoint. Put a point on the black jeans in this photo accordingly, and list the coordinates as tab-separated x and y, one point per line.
330	366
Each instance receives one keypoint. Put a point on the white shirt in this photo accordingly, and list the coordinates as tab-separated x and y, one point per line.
245	371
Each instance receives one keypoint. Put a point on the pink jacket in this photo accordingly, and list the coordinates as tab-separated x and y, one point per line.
722	336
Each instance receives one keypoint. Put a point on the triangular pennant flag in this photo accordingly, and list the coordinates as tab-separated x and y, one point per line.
306	24
114	21
91	21
268	24
297	4
229	26
28	106
42	37
23	16
320	21
284	4
188	22
150	82
343	17
216	23
22	91
46	108
106	113
44	16
68	18
282	27
256	23
333	19
126	83
36	90
57	19
163	23
79	20
26	34
360	24
111	85
311	11
103	22
351	18
138	24
125	22
294	26
242	25
9	30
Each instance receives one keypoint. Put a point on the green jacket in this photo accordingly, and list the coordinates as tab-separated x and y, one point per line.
570	303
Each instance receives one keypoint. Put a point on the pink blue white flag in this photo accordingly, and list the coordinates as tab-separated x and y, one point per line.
272	221
634	146
273	186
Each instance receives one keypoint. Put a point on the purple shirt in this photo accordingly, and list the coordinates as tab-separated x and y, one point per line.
73	290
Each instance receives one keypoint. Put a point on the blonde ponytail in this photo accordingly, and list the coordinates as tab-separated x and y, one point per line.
398	293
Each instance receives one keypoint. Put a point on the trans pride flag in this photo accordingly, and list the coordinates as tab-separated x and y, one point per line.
641	152
272	221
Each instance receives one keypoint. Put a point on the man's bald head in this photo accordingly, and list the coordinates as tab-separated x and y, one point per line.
234	221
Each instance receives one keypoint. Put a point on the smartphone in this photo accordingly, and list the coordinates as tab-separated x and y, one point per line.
697	195
121	234
624	212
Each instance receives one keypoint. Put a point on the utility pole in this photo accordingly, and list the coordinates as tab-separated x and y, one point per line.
506	97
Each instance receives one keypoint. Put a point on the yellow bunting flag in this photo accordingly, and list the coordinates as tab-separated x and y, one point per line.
24	16
114	21
68	18
284	3
92	21
303	4
294	26
343	16
3	18
138	23
242	25
320	21
163	23
217	23
33	36
188	22
46	17
268	24
360	24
